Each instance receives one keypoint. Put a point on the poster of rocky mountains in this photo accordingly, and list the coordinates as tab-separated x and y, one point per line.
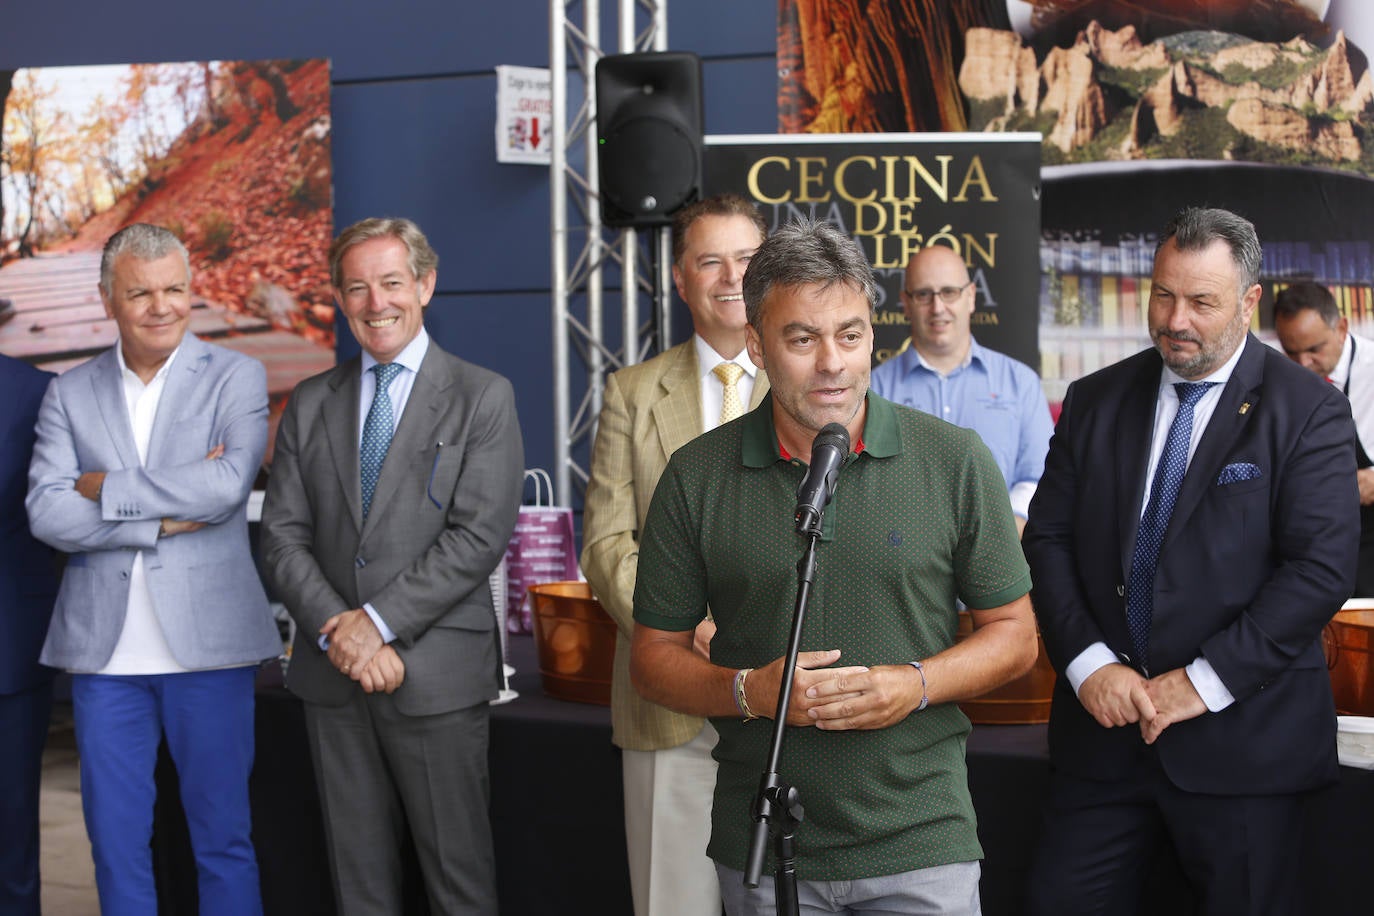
1265	107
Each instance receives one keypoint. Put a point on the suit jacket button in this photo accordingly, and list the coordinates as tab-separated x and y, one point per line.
359	562
1121	591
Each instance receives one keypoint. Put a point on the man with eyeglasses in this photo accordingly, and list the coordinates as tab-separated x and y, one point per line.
948	374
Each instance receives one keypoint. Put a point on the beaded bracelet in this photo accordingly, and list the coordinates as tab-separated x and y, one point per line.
741	701
925	700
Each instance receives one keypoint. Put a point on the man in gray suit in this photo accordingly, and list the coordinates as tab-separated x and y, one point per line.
395	483
142	468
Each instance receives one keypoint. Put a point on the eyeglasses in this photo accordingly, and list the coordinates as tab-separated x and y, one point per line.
947	294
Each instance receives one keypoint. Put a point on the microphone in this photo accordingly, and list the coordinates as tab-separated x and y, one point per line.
827	454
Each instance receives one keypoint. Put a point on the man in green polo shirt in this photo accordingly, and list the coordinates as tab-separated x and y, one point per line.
919	520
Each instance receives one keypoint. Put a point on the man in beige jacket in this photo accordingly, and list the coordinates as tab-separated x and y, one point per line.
648	411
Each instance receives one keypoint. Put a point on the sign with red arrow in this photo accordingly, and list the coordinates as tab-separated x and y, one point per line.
524	115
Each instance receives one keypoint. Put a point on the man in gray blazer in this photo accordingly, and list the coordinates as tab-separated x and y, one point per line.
395	483
143	464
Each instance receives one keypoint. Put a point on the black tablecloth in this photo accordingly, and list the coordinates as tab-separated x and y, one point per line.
557	822
557	816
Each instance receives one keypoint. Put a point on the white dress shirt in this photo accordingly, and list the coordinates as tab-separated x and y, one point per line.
142	647
1200	672
712	389
1354	374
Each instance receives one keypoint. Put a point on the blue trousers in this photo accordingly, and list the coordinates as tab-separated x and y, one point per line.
207	717
24	727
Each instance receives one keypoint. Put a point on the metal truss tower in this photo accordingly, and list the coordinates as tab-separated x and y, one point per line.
581	246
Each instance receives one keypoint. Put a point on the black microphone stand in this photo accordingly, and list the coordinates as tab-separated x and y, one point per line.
777	806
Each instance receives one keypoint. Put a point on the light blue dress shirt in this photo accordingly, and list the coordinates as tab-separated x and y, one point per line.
992	394
410	359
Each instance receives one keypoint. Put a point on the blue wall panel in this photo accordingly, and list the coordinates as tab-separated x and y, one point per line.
367	40
719	28
426	149
741	96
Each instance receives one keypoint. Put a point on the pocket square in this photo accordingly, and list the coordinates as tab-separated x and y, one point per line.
1238	471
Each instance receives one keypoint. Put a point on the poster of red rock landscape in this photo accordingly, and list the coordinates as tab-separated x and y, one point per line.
231	156
1265	107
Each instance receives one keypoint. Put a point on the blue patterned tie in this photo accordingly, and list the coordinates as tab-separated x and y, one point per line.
1173	463
377	432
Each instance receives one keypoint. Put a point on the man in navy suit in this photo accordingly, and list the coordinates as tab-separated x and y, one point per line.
1195	528
28	584
141	471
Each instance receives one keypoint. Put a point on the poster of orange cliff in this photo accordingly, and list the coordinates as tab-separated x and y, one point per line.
1265	107
231	156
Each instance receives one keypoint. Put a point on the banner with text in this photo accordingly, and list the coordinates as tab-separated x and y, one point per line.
897	193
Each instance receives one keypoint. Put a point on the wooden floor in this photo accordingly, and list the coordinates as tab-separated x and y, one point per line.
65	856
58	321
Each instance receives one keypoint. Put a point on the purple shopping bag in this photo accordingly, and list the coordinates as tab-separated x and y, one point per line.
542	549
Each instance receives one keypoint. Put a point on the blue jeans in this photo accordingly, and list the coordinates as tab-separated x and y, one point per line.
207	717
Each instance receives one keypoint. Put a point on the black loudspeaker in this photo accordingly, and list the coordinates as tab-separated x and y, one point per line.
648	125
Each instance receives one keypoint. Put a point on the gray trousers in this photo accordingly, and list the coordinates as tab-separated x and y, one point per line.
942	890
382	774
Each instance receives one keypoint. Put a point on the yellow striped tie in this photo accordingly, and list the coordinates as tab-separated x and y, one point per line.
730	404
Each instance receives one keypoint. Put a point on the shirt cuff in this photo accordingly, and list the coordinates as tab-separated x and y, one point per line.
1021	494
1208	685
1088	661
387	635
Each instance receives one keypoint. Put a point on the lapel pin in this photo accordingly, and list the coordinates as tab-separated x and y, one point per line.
1244	408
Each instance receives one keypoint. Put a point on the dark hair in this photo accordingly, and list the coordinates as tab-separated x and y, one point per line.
1195	228
143	241
419	255
802	253
1305	295
729	204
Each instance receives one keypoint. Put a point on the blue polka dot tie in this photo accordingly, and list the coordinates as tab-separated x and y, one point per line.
1173	463
377	432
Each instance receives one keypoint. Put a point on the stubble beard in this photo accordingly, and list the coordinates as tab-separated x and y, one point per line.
1207	359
